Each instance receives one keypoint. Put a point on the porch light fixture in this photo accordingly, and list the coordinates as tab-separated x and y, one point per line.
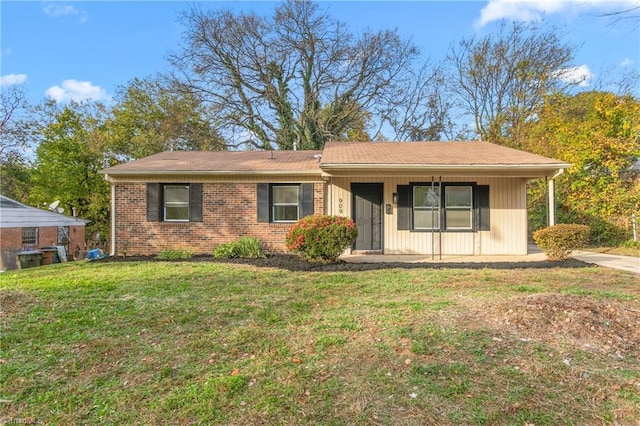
395	198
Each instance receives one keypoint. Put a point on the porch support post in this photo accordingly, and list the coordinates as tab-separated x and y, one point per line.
552	197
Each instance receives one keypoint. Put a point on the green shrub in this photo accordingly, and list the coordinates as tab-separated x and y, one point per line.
559	240
244	247
321	238
170	254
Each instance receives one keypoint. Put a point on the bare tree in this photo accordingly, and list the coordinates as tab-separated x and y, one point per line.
296	77
503	77
630	14
14	130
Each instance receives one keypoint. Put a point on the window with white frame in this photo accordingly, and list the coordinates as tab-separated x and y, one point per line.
426	207
458	207
443	206
176	203
285	203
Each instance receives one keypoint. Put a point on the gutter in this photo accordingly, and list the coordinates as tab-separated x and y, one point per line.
347	167
315	172
113	217
557	174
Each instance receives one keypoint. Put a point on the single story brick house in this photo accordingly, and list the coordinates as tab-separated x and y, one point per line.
466	198
24	227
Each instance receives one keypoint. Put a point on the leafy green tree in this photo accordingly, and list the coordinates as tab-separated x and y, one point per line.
15	176
300	76
599	134
153	116
67	163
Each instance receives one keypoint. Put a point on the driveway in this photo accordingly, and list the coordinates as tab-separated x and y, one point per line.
625	263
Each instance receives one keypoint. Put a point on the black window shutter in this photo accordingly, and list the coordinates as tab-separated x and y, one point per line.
195	202
482	192
306	199
404	207
263	202
154	202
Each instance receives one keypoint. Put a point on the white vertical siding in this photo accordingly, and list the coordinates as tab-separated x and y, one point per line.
508	226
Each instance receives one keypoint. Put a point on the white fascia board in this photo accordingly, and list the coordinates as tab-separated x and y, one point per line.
215	173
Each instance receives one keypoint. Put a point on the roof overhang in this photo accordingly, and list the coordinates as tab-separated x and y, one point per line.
506	170
123	175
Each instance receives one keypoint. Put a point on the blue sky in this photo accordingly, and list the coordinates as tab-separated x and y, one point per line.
85	50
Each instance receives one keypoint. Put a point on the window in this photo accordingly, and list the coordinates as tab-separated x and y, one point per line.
426	207
443	206
174	202
284	202
29	236
458	207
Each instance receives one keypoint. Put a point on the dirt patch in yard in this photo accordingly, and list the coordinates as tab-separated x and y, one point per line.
580	322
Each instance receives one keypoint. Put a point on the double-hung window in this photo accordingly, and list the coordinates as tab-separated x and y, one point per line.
458	207
174	202
286	203
426	207
443	206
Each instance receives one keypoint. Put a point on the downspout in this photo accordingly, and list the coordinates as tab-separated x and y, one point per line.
113	219
552	197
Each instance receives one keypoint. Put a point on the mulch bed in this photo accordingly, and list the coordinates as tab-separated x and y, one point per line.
295	263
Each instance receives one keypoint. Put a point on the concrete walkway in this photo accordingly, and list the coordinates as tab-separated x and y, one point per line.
625	263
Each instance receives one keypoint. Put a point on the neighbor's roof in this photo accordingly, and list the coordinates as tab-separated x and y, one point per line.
381	155
17	215
222	162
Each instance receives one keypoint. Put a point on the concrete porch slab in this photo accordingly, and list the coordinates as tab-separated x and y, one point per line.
534	255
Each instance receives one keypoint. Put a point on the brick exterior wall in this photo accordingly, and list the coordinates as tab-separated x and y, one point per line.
11	243
229	211
11	238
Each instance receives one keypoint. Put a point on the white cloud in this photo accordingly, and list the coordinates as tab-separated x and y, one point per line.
532	10
580	75
74	90
11	79
626	62
56	10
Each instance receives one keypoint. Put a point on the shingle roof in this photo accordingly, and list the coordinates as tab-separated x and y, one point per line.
343	156
17	215
222	162
428	153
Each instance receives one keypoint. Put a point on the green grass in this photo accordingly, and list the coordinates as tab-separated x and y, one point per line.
211	343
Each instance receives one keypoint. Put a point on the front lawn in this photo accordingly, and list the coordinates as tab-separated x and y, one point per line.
214	343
